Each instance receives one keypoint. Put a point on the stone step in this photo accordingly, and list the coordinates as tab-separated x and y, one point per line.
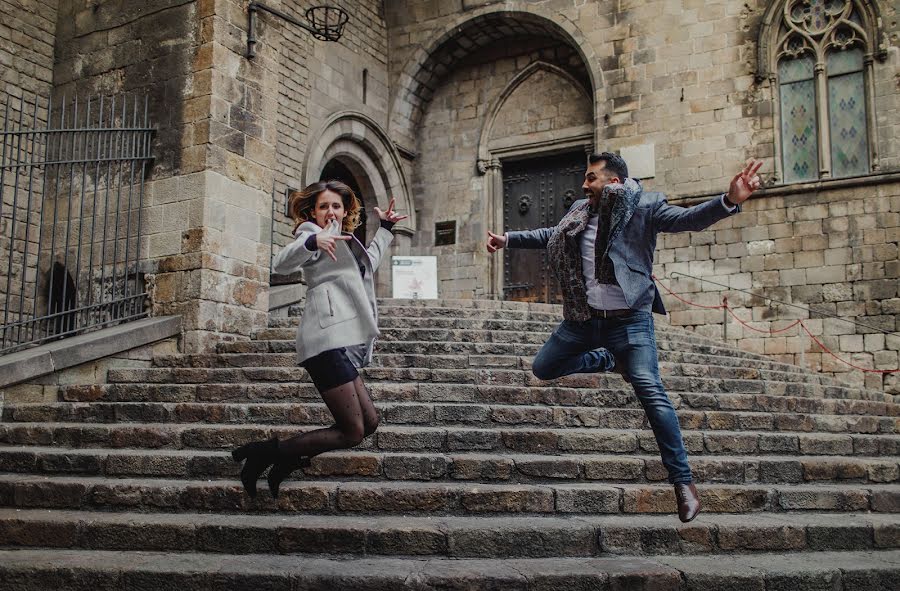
504	376
439	414
449	439
438	466
427	498
464	361
188	571
482	331
485	361
281	329
501	343
471	304
456	329
476	348
447	536
159	375
491	342
686	397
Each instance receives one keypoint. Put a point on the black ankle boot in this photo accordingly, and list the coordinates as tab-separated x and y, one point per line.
259	455
281	470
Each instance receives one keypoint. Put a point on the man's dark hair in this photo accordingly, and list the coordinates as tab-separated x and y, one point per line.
612	162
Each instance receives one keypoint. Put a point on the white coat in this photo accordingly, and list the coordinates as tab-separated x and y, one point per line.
340	309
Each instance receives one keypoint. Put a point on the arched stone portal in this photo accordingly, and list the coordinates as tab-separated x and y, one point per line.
471	33
353	147
449	98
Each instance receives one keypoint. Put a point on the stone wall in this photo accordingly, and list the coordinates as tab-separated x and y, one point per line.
27	31
832	249
332	107
318	79
677	78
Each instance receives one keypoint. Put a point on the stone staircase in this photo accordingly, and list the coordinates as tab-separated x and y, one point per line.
479	477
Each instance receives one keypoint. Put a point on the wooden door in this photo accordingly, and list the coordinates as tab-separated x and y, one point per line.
536	194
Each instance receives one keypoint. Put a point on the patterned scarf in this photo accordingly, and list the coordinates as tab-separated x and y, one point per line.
564	252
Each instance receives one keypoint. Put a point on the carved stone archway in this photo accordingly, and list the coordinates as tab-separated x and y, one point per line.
481	27
365	145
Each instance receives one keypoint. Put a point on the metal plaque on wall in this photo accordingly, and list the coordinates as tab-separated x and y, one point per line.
444	233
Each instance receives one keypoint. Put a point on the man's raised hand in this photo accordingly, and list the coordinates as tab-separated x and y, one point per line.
495	242
745	182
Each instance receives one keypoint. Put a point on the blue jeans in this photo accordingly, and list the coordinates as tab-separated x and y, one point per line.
594	346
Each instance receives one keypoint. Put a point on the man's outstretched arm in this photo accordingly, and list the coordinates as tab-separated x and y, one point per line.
672	218
534	239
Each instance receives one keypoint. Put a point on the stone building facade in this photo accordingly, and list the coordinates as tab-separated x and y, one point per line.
439	103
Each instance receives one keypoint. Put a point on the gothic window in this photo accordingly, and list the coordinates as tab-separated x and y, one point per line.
819	55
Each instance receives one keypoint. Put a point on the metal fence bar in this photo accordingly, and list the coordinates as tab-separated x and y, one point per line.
51	293
145	151
111	139
85	137
79	281
28	210
40	240
131	151
120	141
99	146
65	284
15	208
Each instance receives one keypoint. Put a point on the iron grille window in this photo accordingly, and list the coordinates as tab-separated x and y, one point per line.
72	186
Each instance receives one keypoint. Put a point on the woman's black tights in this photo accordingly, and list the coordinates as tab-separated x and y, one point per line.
355	418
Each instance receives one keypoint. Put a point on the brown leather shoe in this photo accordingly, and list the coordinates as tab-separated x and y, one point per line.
688	501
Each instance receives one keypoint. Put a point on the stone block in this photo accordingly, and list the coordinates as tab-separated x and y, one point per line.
511	500
592	500
415	467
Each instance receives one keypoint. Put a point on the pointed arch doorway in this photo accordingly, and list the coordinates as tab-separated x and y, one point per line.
337	170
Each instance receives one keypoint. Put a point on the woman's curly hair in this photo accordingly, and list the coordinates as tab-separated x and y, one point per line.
302	203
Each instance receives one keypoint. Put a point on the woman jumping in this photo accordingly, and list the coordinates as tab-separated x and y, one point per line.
337	329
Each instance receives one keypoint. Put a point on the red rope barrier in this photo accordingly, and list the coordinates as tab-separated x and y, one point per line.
818	342
724	305
768	331
677	297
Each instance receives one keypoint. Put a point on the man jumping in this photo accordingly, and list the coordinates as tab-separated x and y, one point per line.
602	254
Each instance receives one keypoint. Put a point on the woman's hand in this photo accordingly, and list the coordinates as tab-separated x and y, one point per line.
328	242
390	215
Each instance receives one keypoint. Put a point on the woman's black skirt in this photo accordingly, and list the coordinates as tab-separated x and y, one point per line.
330	369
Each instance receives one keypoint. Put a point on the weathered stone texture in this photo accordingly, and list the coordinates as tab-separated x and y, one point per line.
27	33
688	88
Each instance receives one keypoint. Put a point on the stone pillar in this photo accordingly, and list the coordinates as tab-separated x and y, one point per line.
217	277
493	187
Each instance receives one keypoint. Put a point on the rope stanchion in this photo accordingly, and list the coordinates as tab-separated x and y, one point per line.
724	305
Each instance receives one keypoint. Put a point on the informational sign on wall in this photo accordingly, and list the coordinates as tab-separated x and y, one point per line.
414	278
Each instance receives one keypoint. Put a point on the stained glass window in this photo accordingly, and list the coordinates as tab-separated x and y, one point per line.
823	106
799	134
847	113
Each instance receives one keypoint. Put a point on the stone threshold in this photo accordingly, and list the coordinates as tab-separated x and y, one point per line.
39	361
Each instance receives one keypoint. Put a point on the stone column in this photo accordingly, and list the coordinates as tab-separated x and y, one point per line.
493	187
217	277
